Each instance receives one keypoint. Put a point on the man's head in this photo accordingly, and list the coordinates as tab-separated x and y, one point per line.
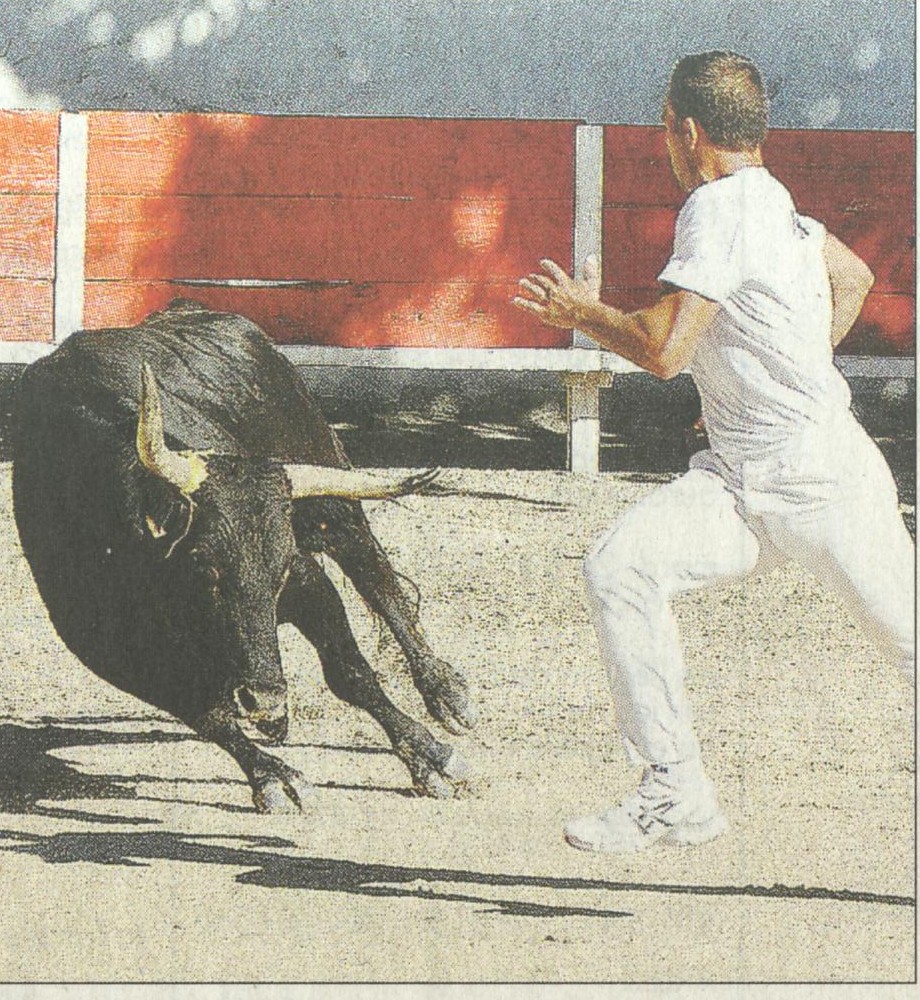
716	106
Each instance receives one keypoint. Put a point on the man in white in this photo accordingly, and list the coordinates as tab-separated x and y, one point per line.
756	297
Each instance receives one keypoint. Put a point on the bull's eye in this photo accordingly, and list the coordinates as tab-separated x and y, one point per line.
207	572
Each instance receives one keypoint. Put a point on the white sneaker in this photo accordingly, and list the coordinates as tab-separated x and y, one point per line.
662	809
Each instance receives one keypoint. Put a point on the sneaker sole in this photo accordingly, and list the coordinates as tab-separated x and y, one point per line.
687	835
691	834
597	848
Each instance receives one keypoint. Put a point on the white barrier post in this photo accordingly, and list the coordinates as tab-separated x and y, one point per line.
583	389
583	409
70	229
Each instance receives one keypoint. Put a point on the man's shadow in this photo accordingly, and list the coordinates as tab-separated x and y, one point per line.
272	862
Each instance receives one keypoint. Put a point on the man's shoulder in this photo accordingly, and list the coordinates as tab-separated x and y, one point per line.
753	190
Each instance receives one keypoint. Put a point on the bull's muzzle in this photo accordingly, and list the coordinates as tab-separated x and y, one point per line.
266	708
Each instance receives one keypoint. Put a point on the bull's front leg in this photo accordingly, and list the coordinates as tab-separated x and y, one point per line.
312	604
347	537
276	787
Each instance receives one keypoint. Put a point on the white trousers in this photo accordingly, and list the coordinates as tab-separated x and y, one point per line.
835	512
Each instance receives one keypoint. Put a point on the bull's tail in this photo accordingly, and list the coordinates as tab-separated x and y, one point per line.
429	483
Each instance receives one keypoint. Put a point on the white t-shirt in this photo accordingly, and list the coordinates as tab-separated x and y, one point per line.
764	368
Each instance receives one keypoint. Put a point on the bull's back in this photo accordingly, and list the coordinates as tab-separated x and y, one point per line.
223	385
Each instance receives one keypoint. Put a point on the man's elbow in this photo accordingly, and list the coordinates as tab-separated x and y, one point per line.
858	277
665	366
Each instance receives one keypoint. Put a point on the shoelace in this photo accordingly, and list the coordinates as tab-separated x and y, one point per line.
656	812
650	806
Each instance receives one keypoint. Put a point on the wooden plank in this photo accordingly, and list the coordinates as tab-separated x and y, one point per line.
792	147
843	149
826	169
562	360
27	235
28	152
321	239
26	310
886	326
636	168
816	189
367	157
447	314
638	243
635	142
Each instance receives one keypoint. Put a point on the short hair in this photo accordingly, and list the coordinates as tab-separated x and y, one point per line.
724	93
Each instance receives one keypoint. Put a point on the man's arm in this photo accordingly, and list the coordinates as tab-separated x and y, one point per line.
850	280
660	339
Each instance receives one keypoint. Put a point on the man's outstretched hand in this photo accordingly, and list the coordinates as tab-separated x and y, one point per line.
559	299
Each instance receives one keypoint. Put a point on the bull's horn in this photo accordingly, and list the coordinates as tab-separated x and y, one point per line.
185	470
354	484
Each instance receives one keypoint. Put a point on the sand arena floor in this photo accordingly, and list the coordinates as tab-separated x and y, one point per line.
129	850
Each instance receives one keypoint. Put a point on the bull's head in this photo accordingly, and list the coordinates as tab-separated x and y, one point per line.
230	558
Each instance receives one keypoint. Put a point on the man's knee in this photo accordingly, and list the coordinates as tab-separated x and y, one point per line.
620	568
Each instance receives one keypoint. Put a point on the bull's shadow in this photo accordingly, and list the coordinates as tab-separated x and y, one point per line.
32	778
266	863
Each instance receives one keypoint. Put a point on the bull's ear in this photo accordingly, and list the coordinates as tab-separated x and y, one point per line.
164	517
158	531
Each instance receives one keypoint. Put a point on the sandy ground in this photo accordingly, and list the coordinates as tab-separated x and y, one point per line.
130	851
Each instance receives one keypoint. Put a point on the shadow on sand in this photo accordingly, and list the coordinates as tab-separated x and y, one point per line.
30	776
267	866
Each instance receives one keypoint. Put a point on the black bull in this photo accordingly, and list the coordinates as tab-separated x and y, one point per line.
167	562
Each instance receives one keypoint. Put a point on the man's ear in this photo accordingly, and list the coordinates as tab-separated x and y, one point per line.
691	132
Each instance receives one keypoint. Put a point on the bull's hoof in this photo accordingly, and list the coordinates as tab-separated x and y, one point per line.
446	695
449	781
289	794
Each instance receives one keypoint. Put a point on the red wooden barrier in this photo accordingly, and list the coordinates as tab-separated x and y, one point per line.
402	232
28	182
860	184
398	232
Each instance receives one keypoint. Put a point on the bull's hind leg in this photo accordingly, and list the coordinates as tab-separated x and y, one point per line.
312	604
347	537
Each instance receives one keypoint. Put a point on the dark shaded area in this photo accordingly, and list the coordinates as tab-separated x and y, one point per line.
505	420
30	775
268	867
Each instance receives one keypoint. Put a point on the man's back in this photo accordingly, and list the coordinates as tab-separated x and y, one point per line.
765	366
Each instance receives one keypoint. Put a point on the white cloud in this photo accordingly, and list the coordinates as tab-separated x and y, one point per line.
226	14
197	26
358	71
224	8
824	111
867	54
14	93
154	42
61	11
101	28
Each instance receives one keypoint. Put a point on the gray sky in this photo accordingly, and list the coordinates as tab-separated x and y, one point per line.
834	63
